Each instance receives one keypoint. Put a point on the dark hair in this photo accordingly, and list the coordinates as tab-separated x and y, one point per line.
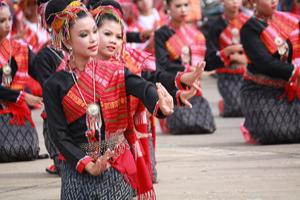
106	16
55	6
39	2
96	3
168	2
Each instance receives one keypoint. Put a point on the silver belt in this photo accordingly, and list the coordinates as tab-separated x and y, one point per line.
116	143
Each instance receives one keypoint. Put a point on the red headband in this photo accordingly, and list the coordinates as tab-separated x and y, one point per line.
100	10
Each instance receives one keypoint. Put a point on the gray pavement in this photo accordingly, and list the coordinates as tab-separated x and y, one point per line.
217	166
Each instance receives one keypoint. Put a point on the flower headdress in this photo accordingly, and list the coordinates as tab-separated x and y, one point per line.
61	23
108	9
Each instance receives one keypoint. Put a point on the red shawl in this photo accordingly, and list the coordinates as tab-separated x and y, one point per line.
19	51
187	36
138	125
137	60
281	25
291	88
227	38
110	91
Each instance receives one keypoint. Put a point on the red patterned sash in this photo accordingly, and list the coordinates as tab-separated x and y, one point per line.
20	111
292	89
281	26
137	61
20	53
187	36
265	80
295	40
230	36
110	91
137	131
226	38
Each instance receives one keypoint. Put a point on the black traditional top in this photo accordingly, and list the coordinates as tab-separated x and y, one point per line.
67	137
46	62
161	54
261	61
213	60
8	94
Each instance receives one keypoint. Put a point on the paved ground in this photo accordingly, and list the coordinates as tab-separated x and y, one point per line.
218	167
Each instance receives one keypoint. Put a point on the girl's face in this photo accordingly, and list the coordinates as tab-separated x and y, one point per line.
232	6
110	39
179	9
144	6
266	7
5	21
84	37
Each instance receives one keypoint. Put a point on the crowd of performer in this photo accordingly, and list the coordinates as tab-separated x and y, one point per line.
105	71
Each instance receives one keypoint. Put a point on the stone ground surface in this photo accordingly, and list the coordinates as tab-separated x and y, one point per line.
219	166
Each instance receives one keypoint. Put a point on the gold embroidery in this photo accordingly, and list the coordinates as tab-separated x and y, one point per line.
113	104
76	99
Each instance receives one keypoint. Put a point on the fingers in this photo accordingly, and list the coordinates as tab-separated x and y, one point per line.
187	103
102	163
162	91
166	93
159	91
186	95
108	154
201	65
165	100
197	86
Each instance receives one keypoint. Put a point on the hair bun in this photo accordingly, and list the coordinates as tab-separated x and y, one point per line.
55	6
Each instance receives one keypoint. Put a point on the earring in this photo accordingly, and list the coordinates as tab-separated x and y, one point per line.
71	54
254	7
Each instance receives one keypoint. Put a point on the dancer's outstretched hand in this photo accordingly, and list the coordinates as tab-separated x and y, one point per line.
191	78
101	164
185	95
165	101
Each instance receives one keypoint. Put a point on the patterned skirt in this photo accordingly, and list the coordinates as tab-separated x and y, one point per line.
196	120
229	86
17	143
50	146
108	186
268	118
